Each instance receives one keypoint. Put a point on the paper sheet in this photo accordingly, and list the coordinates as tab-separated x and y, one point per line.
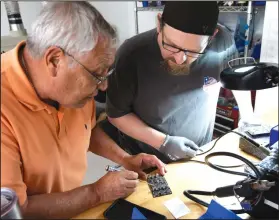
269	49
177	207
267	99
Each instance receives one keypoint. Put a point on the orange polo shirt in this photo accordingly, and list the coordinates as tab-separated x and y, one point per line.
42	150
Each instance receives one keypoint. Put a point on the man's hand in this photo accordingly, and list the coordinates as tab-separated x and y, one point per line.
178	148
143	161
115	185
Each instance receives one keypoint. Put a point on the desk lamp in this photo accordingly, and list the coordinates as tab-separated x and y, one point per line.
253	76
260	185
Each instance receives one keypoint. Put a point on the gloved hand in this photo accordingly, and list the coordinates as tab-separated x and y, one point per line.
178	148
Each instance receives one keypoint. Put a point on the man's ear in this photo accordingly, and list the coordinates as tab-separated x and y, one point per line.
52	57
159	23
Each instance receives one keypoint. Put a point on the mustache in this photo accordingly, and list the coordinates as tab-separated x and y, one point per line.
176	70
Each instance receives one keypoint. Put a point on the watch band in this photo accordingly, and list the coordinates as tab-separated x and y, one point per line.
165	141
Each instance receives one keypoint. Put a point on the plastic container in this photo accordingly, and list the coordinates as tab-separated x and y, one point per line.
274	135
9	204
259	3
144	3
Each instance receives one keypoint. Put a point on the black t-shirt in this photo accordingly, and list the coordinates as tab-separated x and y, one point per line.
182	105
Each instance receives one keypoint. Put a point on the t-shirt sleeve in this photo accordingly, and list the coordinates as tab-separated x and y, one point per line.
122	84
11	165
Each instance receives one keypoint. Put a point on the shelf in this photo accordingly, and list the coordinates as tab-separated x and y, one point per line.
158	8
221	8
233	8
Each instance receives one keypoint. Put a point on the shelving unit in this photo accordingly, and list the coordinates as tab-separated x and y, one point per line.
221	8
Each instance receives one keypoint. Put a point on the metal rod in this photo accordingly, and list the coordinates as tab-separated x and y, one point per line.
249	17
136	18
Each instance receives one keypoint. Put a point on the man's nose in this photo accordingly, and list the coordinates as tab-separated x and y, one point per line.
180	58
103	86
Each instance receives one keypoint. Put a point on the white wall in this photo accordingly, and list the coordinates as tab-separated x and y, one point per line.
118	13
147	20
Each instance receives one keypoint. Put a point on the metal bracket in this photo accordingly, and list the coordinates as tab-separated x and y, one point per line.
242	58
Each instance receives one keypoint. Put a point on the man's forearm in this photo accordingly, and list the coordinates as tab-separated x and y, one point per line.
61	205
102	145
134	127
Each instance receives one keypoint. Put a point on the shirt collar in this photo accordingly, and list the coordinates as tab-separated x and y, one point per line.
21	86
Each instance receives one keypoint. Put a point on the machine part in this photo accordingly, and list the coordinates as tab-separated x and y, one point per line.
250	76
262	185
260	152
158	185
274	135
260	193
246	205
14	18
244	59
9	205
257	131
269	163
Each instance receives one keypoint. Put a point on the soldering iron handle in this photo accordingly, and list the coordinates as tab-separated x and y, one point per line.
224	191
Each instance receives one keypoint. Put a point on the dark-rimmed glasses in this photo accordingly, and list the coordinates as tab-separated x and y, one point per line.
99	79
189	53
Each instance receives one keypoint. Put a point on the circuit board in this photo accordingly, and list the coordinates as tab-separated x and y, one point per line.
158	185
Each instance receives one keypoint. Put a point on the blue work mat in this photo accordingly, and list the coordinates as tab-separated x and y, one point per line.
216	211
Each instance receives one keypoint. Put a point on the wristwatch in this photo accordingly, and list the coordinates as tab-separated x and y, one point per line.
165	141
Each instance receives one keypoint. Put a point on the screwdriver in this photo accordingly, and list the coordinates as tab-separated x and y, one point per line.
117	168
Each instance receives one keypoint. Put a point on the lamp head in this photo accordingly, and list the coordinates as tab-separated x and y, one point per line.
255	76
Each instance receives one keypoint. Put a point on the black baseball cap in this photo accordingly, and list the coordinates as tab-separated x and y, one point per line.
194	17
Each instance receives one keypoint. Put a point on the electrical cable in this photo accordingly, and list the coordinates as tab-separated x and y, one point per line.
219	139
188	193
222	166
247	162
241	135
227	166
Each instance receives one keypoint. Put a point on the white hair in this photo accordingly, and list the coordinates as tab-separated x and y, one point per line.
72	26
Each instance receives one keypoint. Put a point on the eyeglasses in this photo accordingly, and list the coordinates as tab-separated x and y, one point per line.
189	53
99	79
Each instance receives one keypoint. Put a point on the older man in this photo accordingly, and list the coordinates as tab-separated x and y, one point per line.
48	115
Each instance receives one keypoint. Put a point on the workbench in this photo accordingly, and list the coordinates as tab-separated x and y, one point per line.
186	175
